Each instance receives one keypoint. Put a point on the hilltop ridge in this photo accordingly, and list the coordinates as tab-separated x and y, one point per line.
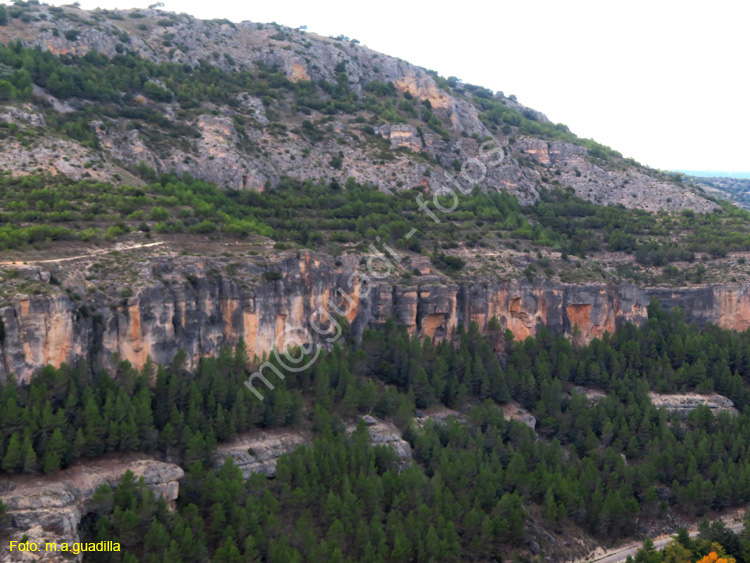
245	105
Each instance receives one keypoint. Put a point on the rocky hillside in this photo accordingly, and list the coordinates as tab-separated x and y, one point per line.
736	190
246	104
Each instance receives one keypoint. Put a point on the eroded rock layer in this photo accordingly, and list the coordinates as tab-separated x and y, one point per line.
198	305
50	508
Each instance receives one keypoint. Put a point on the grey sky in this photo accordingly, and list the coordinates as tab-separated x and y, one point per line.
664	82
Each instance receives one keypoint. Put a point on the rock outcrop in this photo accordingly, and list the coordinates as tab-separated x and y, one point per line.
51	507
514	411
386	434
258	453
685	403
402	136
199	305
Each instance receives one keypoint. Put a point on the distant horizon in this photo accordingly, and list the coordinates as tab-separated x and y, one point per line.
716	173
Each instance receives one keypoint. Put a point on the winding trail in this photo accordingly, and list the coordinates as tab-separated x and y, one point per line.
91	255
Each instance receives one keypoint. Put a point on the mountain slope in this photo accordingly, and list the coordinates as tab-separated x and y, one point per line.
734	189
245	104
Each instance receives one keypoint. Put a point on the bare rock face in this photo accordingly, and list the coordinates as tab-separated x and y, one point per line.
39	536
514	411
194	304
685	403
402	135
386	434
439	414
598	182
254	106
418	83
52	154
52	507
26	114
258	453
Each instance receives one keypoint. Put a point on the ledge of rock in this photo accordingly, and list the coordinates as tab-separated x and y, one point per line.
514	411
51	507
685	403
258	453
386	434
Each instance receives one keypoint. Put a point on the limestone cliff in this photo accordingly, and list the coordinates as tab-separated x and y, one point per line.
50	508
201	304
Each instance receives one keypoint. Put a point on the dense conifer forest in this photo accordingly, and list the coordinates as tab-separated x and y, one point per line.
601	465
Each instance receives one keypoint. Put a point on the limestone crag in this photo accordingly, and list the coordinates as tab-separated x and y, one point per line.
684	403
258	453
593	180
402	136
386	434
200	304
51	507
513	411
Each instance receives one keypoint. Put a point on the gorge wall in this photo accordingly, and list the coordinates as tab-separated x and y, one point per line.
201	304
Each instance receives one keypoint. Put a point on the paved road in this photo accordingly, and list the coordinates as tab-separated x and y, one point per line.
622	555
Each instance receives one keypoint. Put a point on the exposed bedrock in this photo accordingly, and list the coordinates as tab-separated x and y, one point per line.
50	508
199	305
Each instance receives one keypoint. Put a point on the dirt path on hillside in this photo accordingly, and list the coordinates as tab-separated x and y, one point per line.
116	248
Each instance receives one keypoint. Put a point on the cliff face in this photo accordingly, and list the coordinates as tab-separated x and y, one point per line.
200	305
50	508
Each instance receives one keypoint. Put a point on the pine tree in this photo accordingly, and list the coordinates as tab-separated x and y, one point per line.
94	428
367	397
128	433
79	444
30	464
550	507
322	385
174	553
251	554
113	436
402	548
14	454
227	553
55	452
196	449
144	420
422	388
348	405
129	528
